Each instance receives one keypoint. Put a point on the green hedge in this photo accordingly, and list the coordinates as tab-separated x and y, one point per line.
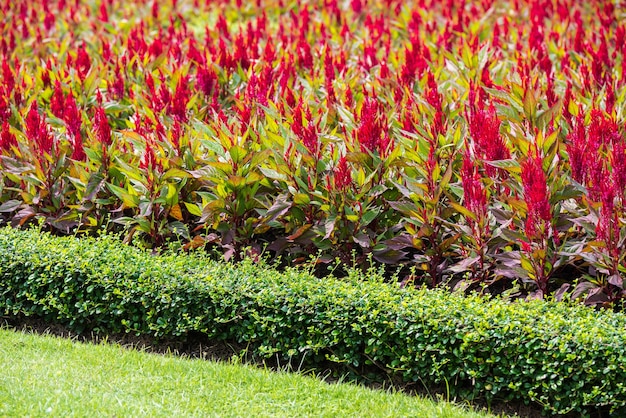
565	358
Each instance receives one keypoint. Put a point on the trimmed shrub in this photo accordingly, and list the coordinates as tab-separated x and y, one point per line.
564	358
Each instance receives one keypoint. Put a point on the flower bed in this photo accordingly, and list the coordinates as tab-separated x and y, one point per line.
478	144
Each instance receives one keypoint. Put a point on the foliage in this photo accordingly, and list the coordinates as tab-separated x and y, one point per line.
565	358
479	145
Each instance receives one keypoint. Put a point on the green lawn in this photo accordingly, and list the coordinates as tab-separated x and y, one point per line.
44	375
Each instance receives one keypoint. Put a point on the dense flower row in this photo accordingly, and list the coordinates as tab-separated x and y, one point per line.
479	143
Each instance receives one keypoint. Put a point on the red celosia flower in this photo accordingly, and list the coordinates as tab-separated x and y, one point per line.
305	57
65	108
259	88
434	98
155	98
269	52
369	58
601	63
156	47
289	97
159	129
596	176
602	130
136	42
164	94
48	20
83	62
207	81
8	79
149	160
410	115
588	147
57	100
345	31
5	110
485	77
577	149
583	70
384	71
536	194
484	127
329	73
37	131
341	63
118	87
71	116
224	57
103	12
7	139
610	96
567	98
176	134
101	126
357	6
305	130
155	10
286	72
474	194
241	54
194	54
372	132
349	100
182	95
341	174
78	150
431	93
416	61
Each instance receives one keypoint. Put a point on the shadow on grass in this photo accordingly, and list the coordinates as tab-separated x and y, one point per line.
198	346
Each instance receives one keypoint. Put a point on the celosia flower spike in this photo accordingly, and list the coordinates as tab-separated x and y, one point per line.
341	174
536	194
37	131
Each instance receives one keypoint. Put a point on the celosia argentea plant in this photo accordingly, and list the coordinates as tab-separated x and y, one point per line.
475	144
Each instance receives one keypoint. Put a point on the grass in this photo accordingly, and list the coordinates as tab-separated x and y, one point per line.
45	375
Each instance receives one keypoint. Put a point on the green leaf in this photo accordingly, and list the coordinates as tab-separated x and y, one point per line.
280	206
237	153
510	165
301	199
407	209
463	211
530	104
129	200
272	174
193	209
171	198
176	173
369	215
94	185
